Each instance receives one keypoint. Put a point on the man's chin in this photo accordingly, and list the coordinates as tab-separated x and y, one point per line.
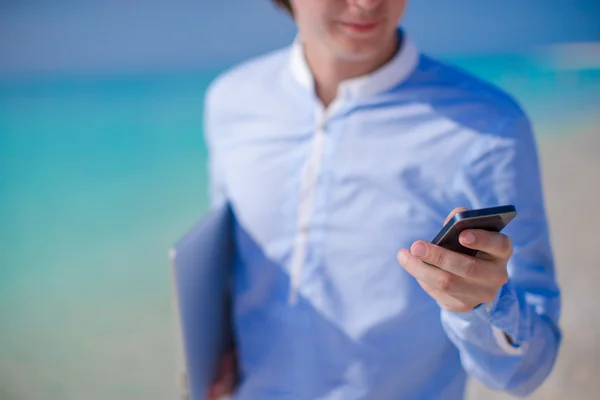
358	53
353	49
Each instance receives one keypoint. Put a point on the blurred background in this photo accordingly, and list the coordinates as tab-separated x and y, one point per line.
102	168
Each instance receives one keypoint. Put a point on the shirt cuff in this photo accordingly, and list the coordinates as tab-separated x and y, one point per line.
495	312
502	315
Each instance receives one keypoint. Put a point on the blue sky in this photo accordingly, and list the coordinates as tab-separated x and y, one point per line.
148	35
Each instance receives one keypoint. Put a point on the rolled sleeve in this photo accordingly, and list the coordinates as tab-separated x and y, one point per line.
489	324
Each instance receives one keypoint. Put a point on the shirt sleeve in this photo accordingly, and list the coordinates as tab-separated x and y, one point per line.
526	309
216	172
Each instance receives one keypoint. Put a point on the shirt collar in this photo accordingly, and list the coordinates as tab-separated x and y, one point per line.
386	77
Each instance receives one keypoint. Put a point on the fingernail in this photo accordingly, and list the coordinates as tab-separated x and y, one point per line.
402	257
468	238
419	250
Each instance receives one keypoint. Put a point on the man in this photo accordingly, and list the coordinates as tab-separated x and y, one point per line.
341	157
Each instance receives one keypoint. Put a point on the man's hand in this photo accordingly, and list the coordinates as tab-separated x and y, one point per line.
223	386
456	281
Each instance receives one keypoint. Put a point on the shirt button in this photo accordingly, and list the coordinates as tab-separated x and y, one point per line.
488	308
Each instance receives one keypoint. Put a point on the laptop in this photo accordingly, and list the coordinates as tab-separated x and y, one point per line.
201	266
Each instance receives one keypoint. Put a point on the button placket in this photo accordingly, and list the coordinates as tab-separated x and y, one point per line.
306	205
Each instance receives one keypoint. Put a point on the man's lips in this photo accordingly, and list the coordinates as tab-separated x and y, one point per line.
360	26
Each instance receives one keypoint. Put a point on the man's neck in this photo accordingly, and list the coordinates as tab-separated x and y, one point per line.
329	71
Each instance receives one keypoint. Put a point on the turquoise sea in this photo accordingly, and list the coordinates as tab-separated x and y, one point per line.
98	176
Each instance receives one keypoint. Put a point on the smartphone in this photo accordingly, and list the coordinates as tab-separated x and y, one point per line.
489	219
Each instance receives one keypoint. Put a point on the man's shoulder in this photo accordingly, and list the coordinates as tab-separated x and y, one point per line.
465	98
248	78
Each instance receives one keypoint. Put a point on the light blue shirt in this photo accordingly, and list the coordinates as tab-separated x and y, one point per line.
325	198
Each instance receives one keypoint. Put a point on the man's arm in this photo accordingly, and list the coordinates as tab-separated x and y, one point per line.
510	341
216	171
526	308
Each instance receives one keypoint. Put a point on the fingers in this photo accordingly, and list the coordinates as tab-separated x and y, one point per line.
455	263
434	278
459	282
453	212
451	291
467	267
222	388
495	244
224	384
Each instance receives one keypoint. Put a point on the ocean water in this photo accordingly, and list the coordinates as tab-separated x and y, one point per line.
98	177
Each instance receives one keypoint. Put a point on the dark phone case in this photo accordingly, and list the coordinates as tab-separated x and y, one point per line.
490	219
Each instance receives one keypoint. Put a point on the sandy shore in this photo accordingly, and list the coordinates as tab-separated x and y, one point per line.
571	175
